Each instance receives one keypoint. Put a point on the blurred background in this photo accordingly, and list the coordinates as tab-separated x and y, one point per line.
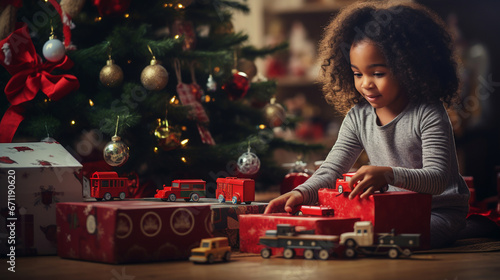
476	27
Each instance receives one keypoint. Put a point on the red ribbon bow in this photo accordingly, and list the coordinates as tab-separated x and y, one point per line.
29	75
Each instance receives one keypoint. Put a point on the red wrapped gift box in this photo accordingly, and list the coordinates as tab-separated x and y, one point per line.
225	219
131	231
252	227
406	212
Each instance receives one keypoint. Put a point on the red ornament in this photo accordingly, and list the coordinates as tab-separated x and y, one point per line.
29	75
237	87
111	7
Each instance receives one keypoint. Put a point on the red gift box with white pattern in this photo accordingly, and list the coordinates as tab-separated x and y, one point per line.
406	212
130	231
252	227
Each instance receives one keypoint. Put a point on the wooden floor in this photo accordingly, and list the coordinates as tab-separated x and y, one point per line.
249	266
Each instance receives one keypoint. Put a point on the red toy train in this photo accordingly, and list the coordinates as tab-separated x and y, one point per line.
236	190
107	185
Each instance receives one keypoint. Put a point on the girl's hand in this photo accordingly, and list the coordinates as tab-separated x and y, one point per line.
286	202
370	179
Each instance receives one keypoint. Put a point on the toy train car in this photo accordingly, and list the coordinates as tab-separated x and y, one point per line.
236	190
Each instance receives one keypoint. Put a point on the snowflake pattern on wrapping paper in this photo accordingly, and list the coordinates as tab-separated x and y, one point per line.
47	196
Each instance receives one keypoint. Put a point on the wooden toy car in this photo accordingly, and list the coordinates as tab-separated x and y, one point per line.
313	210
361	241
285	236
236	190
210	250
186	189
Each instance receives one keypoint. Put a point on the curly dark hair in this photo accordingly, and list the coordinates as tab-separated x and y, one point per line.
415	42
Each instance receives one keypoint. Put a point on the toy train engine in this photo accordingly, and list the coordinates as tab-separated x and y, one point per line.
285	236
236	190
186	189
362	241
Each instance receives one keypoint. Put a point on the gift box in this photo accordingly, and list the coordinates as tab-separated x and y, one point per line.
252	227
225	219
131	231
34	177
405	212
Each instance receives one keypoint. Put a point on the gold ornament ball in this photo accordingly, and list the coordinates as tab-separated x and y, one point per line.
111	75
275	114
116	153
154	76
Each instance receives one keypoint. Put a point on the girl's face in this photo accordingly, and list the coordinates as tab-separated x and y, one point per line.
373	79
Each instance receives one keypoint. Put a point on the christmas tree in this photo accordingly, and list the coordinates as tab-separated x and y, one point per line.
171	78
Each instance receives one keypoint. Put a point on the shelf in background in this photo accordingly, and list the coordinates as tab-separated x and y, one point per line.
291	81
308	8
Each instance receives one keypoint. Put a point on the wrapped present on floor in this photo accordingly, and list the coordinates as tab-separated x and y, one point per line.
131	231
252	227
36	176
225	219
405	212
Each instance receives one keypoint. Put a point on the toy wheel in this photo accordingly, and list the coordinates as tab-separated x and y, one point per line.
227	257
234	200
248	202
299	213
210	258
350	253
341	189
350	243
171	197
122	195
195	197
265	253
308	254
221	198
323	254
393	253
407	252
107	196
289	253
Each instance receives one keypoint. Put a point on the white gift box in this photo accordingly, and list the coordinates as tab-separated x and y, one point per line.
33	178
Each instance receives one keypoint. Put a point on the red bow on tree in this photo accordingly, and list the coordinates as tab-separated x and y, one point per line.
29	75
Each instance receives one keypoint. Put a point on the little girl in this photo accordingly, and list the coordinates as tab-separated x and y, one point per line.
391	66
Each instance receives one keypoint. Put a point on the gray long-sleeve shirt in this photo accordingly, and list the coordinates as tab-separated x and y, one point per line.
418	144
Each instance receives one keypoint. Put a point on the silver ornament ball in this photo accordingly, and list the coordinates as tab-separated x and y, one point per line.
248	163
53	50
116	153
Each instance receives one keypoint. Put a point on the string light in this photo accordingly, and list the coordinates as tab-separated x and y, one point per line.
174	100
183	159
98	19
184	142
126	15
91	103
73	122
155	149
177	36
183	128
262	126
